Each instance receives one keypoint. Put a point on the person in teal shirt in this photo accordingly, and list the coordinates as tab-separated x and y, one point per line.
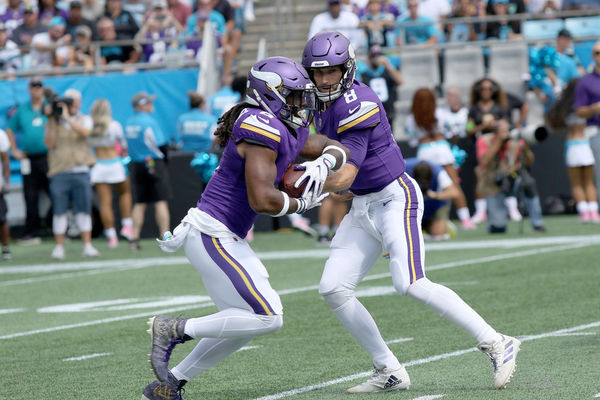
195	128
26	127
149	178
417	34
226	97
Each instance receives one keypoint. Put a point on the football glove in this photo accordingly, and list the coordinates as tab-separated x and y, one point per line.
306	203
315	173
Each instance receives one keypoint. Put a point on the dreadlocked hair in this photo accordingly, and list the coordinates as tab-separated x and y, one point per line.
562	107
227	120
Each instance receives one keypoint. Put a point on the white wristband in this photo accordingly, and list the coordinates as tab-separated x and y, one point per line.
286	205
301	206
333	147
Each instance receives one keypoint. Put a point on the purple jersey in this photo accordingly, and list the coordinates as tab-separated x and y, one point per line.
357	120
225	197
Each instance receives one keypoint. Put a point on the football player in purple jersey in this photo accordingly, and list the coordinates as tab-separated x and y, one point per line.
385	217
261	137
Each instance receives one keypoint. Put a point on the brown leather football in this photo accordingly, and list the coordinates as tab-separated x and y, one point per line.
289	179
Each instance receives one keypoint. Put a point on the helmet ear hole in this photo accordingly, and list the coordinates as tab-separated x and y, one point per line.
269	97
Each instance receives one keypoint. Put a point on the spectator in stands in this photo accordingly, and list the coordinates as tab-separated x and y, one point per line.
27	124
567	57
76	18
126	54
226	97
201	18
376	24
48	10
436	10
195	128
234	35
336	19
424	33
92	10
579	157
180	11
580	5
4	186
81	53
381	75
502	172
424	127
109	171
10	57
160	24
504	30
44	54
543	6
69	161
465	32
24	33
125	24
453	116
13	15
438	189
148	169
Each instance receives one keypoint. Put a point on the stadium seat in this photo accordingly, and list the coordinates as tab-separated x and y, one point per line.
542	29
583	26
420	69
509	64
463	66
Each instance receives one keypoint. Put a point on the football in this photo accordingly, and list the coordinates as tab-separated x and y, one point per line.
289	179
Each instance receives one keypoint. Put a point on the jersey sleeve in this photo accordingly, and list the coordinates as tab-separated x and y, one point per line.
258	128
356	141
359	116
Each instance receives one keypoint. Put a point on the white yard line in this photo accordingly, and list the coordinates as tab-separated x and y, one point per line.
248	348
11	310
430	397
305	389
401	340
87	357
288	291
596	396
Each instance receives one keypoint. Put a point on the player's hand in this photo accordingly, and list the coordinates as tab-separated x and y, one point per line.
306	203
315	173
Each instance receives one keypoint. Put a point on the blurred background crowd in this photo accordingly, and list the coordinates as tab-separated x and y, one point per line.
493	102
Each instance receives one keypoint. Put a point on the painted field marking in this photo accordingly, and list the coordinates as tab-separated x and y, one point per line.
430	397
401	340
596	396
87	357
427	360
282	292
11	310
248	348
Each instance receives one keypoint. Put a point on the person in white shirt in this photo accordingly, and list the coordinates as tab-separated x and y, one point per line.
44	54
4	182
336	19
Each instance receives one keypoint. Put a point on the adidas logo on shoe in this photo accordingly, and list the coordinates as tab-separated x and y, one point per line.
392	381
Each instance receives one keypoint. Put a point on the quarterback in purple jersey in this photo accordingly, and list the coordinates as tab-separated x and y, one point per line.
385	217
261	137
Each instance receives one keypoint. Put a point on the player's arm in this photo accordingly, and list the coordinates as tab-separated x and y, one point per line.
318	145
260	173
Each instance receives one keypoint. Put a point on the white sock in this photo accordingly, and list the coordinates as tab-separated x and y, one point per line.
451	307
582	207
359	322
126	221
323	230
232	323
592	206
511	203
463	213
207	353
480	206
59	224
110	232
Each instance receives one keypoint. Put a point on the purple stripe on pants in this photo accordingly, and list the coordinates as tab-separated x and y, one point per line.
411	228
245	287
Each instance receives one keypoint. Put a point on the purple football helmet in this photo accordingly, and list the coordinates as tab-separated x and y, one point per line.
282	87
328	49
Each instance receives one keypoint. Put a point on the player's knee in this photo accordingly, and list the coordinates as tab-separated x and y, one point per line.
338	298
400	281
420	290
273	323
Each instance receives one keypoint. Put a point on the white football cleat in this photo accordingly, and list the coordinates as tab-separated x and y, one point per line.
384	380
58	253
90	251
503	355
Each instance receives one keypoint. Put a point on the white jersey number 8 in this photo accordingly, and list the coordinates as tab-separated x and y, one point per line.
350	96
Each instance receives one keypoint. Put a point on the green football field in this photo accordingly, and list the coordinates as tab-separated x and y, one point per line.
77	329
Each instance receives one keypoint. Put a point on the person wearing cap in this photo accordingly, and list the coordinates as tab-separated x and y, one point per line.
76	19
43	53
69	161
81	53
504	30
566	54
149	177
13	15
124	22
195	128
27	124
10	57
31	26
337	19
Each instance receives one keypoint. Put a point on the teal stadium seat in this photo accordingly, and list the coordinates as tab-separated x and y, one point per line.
542	29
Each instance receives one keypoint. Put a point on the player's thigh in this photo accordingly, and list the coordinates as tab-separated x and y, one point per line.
353	253
232	273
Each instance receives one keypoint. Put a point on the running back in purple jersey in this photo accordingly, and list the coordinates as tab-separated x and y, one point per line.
225	197
357	120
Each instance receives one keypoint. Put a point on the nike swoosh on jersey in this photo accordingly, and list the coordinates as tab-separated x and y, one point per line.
367	109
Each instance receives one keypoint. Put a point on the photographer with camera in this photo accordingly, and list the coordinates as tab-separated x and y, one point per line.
69	161
501	172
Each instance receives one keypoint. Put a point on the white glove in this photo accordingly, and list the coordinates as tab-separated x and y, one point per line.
316	172
306	203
